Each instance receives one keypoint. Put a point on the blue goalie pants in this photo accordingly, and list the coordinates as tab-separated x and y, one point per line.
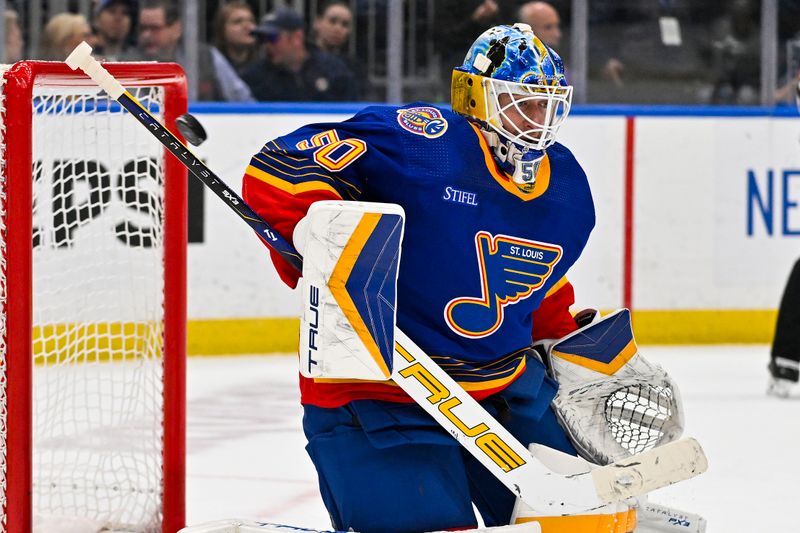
390	468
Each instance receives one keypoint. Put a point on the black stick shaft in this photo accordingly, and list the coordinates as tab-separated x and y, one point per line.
271	237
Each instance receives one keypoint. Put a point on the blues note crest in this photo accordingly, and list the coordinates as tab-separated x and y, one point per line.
511	269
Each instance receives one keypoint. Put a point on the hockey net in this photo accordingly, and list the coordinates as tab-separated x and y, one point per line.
92	244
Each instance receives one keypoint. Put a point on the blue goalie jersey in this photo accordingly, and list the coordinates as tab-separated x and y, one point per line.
479	254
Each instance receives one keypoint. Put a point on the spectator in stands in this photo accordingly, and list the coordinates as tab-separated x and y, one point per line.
787	91
648	52
160	31
543	20
458	21
788	52
293	72
332	28
233	34
13	42
112	28
736	55
62	34
457	24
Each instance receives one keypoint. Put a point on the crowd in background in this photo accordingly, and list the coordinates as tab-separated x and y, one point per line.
640	51
274	59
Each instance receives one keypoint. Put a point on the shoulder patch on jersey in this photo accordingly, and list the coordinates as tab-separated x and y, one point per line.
510	269
425	121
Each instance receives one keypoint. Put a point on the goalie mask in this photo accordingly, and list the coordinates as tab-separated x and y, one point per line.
513	85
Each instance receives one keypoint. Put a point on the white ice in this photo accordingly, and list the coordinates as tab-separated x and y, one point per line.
246	456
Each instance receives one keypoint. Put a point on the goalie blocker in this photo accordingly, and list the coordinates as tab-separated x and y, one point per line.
351	254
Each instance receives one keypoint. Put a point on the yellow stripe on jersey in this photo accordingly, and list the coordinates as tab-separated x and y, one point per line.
279	149
272	156
542	174
289	187
291	175
469	386
474	386
560	283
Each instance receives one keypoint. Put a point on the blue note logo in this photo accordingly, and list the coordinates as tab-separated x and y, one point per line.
511	269
425	121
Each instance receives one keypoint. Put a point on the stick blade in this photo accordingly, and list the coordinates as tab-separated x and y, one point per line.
650	470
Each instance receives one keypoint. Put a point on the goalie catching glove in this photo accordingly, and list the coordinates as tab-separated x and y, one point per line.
611	400
612	403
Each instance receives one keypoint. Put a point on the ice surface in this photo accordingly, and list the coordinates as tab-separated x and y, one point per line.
246	457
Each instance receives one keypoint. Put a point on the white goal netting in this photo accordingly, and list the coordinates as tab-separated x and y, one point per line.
98	311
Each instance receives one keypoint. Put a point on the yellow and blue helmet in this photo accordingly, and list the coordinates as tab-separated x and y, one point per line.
513	83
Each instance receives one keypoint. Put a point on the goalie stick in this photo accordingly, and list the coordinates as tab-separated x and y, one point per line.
434	390
654	517
81	58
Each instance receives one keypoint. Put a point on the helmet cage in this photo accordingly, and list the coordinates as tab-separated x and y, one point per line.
526	114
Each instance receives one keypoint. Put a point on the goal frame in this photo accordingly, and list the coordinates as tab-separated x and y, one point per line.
20	82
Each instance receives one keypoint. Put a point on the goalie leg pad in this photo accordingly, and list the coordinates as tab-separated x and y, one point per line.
609	519
351	256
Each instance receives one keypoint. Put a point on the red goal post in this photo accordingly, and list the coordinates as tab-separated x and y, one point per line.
92	302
